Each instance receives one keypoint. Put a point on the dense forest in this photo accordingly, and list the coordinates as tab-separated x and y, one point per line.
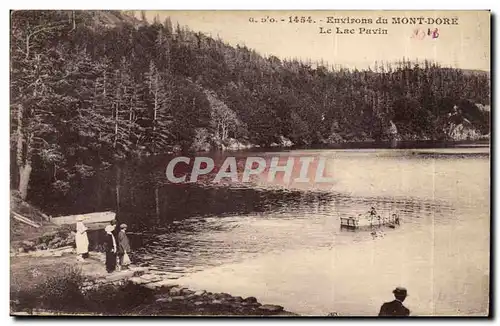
90	88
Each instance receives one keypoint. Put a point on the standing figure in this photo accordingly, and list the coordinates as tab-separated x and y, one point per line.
110	247
123	247
372	214
81	239
395	307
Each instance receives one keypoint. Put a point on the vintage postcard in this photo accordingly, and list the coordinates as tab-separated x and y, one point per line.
250	163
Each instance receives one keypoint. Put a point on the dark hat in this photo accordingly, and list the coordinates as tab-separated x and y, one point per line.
123	226
400	291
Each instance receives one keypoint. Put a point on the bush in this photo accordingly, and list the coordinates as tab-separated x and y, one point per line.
60	292
117	300
64	236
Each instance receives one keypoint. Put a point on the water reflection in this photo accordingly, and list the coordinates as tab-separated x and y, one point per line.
285	245
285	220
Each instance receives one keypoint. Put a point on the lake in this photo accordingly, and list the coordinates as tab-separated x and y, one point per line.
282	243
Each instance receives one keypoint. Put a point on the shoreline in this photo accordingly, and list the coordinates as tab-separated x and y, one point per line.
355	144
159	296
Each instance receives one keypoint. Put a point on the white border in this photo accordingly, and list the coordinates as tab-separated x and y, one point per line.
187	4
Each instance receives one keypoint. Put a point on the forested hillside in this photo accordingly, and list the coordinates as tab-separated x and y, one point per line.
90	88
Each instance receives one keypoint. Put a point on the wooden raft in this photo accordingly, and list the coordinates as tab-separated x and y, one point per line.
366	222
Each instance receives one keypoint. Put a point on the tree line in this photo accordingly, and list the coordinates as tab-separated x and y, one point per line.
89	88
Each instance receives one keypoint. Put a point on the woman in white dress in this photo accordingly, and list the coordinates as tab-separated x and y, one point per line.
81	239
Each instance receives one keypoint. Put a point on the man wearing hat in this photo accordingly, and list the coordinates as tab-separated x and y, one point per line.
396	307
123	247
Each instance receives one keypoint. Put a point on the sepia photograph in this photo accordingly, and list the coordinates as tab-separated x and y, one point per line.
271	163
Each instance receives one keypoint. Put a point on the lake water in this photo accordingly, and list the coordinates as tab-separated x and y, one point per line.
283	243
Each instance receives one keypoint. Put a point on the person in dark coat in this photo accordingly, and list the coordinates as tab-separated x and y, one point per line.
395	307
111	248
123	245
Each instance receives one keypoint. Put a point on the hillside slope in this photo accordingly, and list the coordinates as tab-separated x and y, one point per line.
89	88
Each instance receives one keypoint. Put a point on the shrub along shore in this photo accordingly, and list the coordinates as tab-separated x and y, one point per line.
51	282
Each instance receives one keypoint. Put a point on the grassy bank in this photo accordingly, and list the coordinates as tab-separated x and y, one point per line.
22	232
61	286
46	279
56	285
57	288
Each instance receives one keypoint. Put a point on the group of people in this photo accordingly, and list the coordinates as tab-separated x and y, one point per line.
116	245
373	215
